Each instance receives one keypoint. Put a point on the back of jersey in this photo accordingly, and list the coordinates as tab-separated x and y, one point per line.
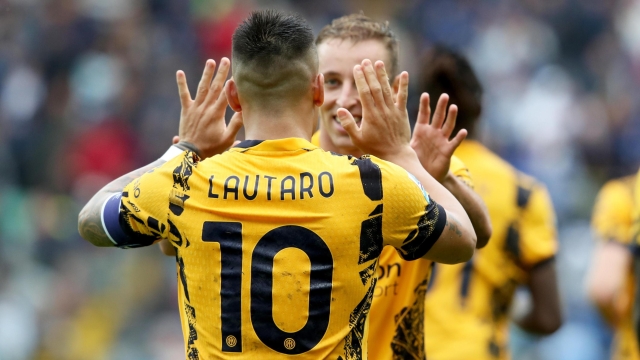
278	243
467	305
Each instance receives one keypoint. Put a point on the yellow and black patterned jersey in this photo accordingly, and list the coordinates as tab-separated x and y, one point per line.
278	243
467	304
613	221
635	248
396	328
396	321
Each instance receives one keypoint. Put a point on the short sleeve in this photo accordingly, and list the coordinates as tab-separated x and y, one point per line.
412	221
144	206
538	236
612	217
460	170
635	229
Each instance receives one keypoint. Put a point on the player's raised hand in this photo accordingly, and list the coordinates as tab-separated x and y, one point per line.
430	140
384	129
202	123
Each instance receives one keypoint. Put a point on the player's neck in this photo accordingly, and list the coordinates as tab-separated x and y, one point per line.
328	145
263	125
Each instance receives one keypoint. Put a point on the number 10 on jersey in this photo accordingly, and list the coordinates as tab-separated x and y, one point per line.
229	236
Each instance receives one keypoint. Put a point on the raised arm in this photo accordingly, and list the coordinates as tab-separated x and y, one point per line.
90	224
385	133
202	130
431	141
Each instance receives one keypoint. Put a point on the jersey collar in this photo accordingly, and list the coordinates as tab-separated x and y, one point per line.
287	144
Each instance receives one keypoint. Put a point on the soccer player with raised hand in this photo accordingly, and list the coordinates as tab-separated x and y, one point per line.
467	305
278	241
397	312
384	132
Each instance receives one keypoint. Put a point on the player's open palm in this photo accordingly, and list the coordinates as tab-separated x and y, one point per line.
385	129
430	140
202	122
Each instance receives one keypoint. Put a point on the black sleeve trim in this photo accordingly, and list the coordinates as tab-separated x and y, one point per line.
133	239
430	227
544	262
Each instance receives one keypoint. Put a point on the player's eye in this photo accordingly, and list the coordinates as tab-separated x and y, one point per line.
331	83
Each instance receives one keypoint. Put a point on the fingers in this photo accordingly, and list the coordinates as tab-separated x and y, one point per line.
441	111
349	124
175	140
235	124
183	89
383	79
363	88
457	140
450	122
221	103
205	81
217	85
372	79
403	91
424	111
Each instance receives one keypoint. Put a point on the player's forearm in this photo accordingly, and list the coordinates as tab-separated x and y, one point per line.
545	315
539	322
90	217
605	282
474	207
458	240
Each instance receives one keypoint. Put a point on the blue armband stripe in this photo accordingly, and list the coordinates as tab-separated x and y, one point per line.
111	220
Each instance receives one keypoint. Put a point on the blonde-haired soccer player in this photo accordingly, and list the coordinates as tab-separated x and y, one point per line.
610	284
396	318
276	239
467	306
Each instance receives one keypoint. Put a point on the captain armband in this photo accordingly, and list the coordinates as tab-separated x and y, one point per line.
117	229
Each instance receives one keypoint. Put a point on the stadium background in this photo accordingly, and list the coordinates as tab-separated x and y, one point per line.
87	93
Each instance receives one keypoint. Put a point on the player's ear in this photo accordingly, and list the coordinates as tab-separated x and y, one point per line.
396	84
231	90
318	90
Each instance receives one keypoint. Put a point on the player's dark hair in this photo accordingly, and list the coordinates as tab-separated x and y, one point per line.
274	59
447	71
268	34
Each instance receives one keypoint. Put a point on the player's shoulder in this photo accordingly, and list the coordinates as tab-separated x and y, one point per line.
619	189
480	159
457	164
530	190
616	194
387	167
628	182
616	187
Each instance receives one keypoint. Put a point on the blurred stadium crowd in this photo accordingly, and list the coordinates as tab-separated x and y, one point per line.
87	93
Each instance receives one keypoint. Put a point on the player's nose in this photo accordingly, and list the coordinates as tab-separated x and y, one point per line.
348	96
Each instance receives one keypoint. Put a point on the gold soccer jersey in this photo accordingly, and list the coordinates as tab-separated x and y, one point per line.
466	315
396	320
278	243
613	221
396	324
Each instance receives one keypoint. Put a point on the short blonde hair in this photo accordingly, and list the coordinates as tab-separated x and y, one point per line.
359	27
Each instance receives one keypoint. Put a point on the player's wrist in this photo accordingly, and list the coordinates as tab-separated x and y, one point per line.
401	154
449	180
185	145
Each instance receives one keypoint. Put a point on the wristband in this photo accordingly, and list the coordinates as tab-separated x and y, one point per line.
184	145
171	153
